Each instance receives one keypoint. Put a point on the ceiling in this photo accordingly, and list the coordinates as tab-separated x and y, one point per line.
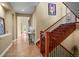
24	7
6	5
73	6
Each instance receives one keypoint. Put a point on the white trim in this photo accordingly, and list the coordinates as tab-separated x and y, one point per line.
2	54
37	40
14	40
4	35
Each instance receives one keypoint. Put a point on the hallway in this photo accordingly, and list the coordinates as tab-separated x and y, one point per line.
22	48
52	26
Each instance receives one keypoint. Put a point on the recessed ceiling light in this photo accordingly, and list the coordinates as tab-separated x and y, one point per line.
22	10
3	4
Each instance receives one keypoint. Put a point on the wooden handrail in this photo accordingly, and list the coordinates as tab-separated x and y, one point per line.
76	22
55	23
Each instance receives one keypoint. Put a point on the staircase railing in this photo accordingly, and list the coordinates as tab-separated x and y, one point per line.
54	49
68	18
60	51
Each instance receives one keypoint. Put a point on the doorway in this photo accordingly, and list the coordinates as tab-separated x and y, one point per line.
22	25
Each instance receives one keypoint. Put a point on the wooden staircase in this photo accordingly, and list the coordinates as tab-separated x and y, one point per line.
63	31
56	36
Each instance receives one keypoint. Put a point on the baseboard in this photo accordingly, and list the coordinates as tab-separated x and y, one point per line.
3	53
37	41
14	40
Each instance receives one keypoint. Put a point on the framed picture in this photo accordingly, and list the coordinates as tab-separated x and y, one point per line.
2	26
51	9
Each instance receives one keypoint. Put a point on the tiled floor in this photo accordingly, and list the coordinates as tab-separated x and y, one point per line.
22	48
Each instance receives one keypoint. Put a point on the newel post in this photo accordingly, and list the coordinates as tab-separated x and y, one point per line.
47	44
41	40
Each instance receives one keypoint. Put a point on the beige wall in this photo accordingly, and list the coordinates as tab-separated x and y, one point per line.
8	21
76	38
6	40
72	40
18	27
34	26
2	12
15	26
41	19
68	43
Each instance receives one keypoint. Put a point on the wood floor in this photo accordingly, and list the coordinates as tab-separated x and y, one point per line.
22	48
